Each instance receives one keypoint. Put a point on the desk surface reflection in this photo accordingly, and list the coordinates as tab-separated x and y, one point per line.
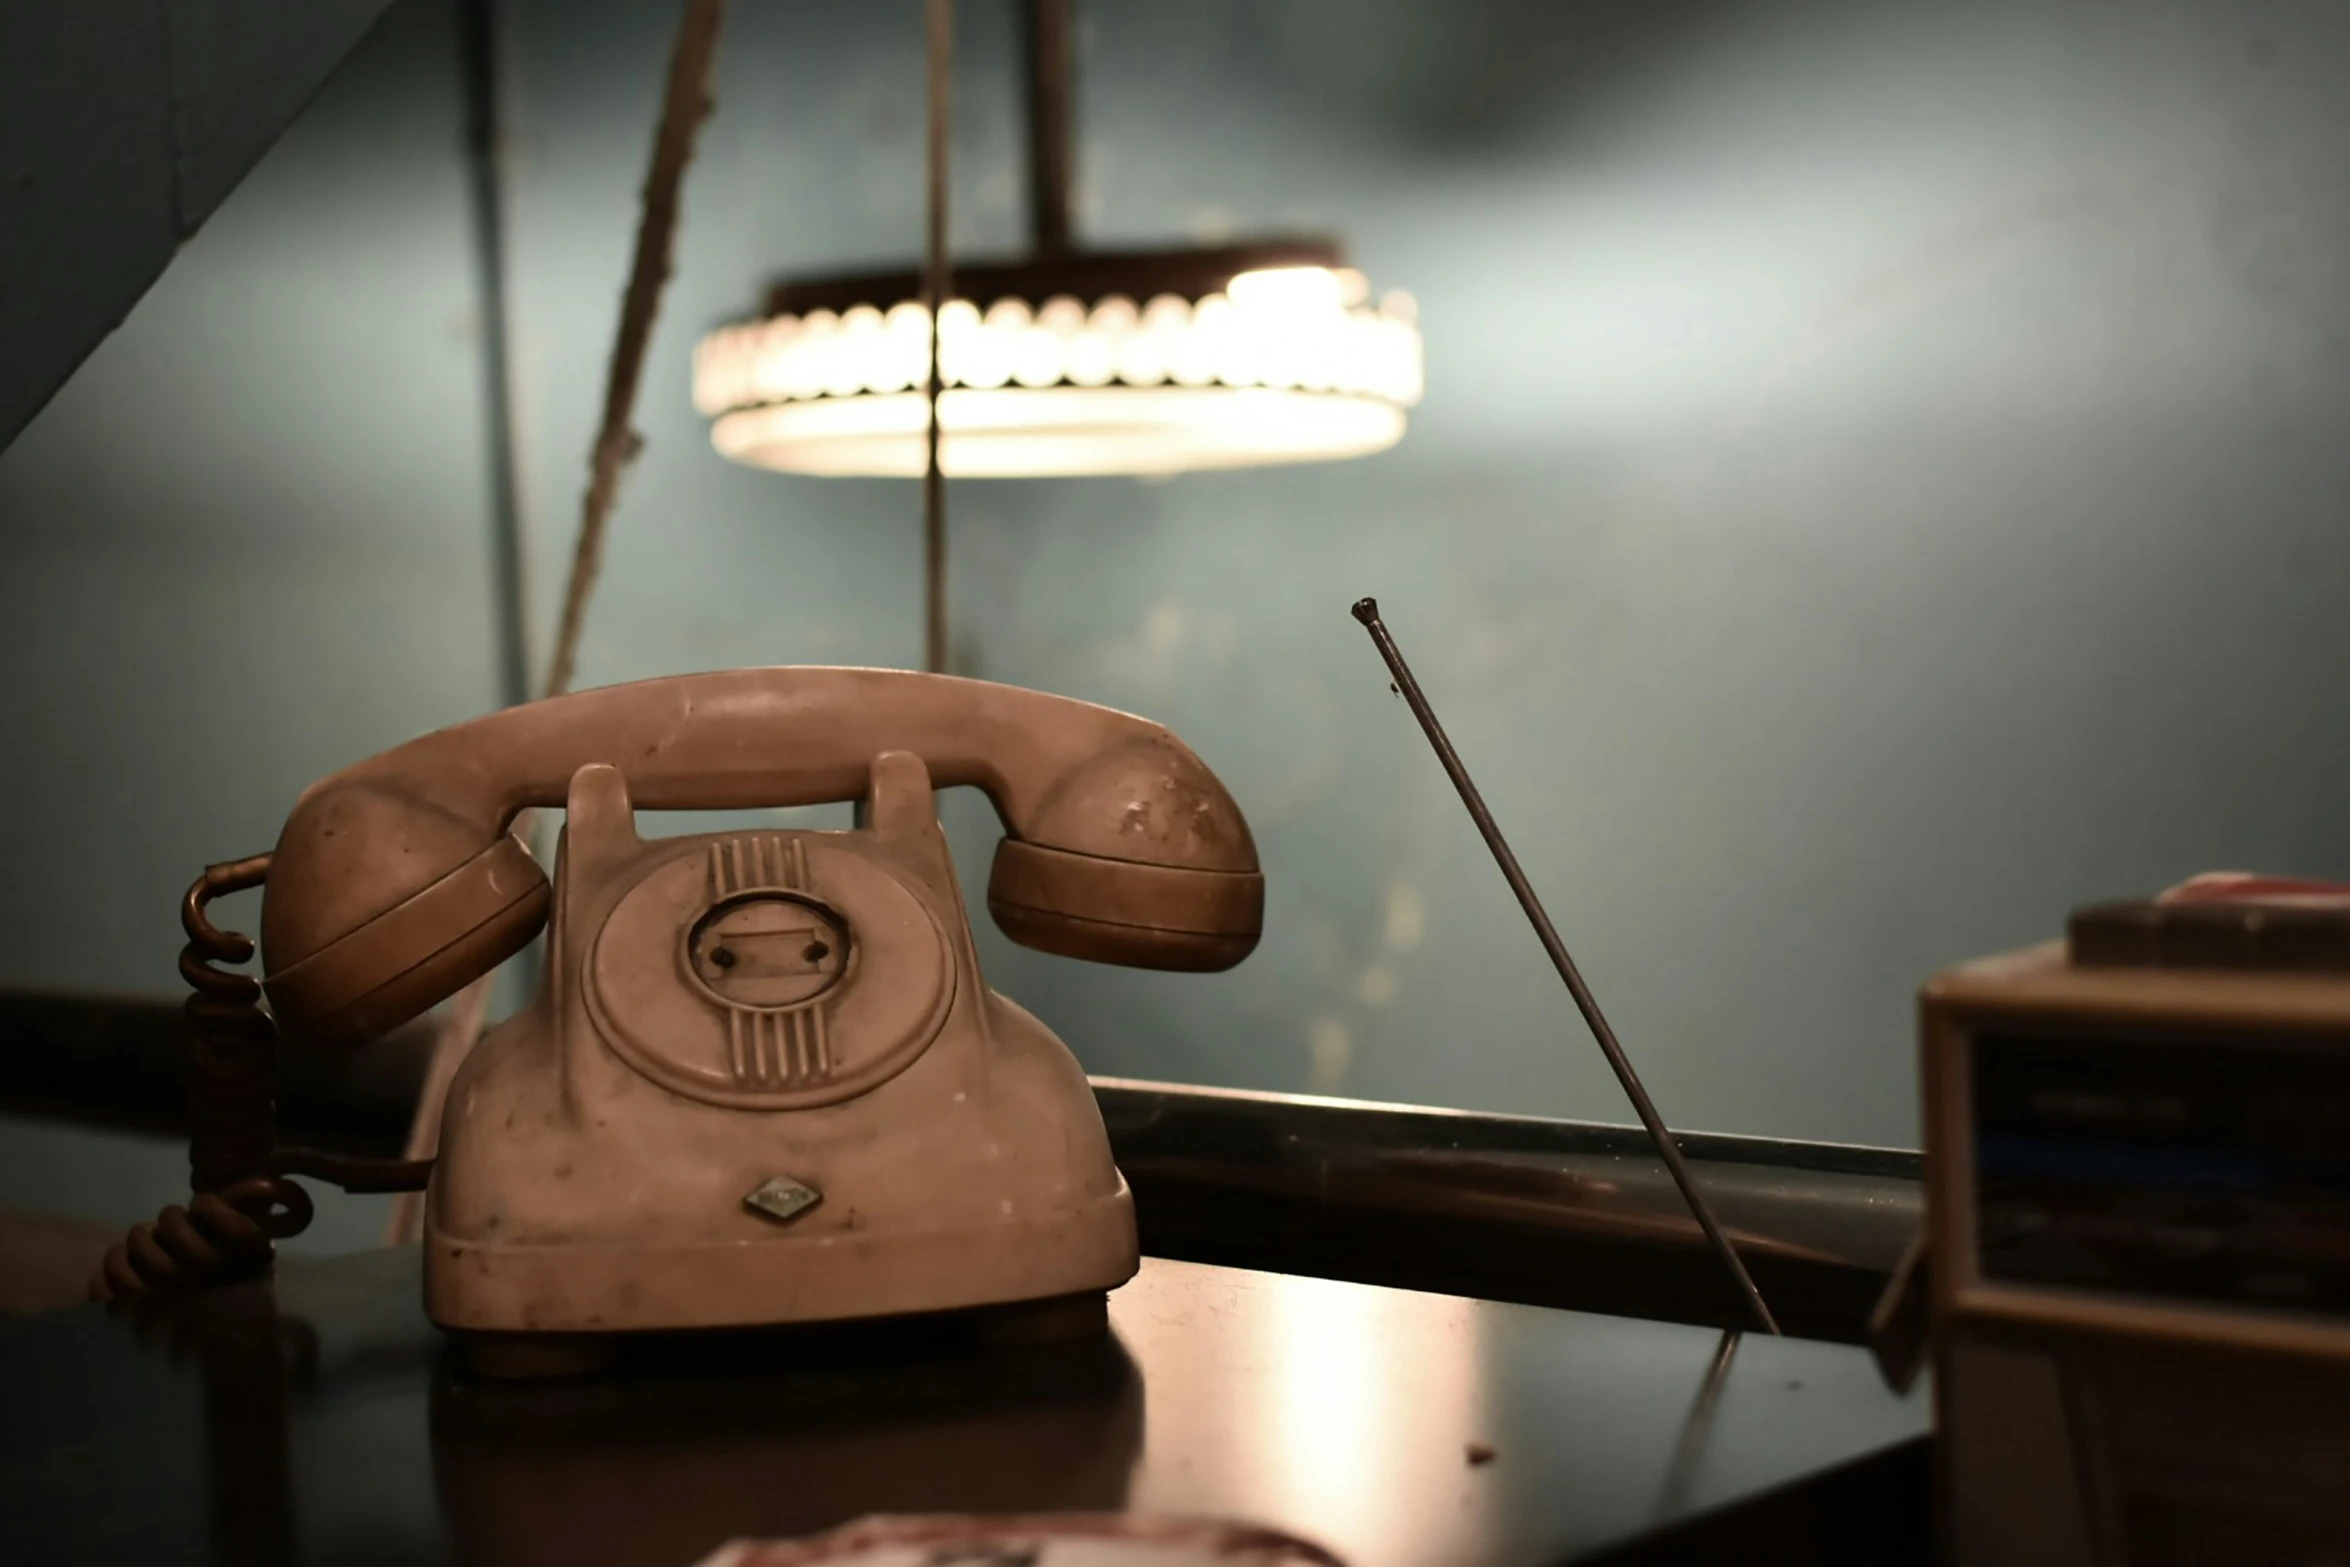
319	1419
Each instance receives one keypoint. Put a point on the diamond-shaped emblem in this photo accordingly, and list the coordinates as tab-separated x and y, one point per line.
782	1199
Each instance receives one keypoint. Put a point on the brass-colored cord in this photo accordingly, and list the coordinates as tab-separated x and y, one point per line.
243	1203
218	1238
241	1207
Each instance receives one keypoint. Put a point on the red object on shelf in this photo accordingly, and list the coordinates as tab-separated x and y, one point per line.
1051	1540
2246	887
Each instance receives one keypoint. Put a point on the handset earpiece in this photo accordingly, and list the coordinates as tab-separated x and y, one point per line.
1139	857
375	910
1121	911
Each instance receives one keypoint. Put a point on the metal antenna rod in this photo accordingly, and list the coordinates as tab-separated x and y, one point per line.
1367	611
1696	1428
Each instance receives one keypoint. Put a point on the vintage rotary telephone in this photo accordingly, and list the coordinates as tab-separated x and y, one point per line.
763	1080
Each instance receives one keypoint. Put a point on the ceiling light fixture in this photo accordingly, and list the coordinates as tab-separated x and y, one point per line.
1069	361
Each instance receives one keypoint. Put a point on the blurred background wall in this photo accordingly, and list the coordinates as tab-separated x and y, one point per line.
1882	481
246	544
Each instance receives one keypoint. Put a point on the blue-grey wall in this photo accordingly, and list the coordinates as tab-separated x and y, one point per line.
123	123
1882	481
244	546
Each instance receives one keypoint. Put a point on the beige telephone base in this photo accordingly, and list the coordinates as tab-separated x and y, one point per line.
764	1083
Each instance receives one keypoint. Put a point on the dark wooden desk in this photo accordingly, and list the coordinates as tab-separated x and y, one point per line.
1543	1212
317	1419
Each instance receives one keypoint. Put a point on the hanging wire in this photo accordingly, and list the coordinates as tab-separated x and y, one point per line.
935	284
684	106
686	102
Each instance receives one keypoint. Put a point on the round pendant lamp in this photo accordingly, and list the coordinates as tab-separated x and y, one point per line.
1068	361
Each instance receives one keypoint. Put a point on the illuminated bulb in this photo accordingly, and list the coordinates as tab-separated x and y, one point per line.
1061	316
853	359
1287	288
1040	353
904	359
1200	353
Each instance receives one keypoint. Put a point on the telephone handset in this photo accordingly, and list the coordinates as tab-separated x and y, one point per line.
395	882
762	1080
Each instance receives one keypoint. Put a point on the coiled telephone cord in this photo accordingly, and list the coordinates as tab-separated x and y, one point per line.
244	1203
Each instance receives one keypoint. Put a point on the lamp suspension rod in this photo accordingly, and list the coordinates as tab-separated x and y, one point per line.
935	284
1367	611
1051	167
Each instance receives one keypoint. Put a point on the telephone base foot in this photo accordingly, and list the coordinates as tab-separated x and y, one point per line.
1057	1319
1013	1325
706	1273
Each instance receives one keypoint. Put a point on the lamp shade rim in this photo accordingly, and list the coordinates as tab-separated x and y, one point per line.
1287	362
1088	276
1060	431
